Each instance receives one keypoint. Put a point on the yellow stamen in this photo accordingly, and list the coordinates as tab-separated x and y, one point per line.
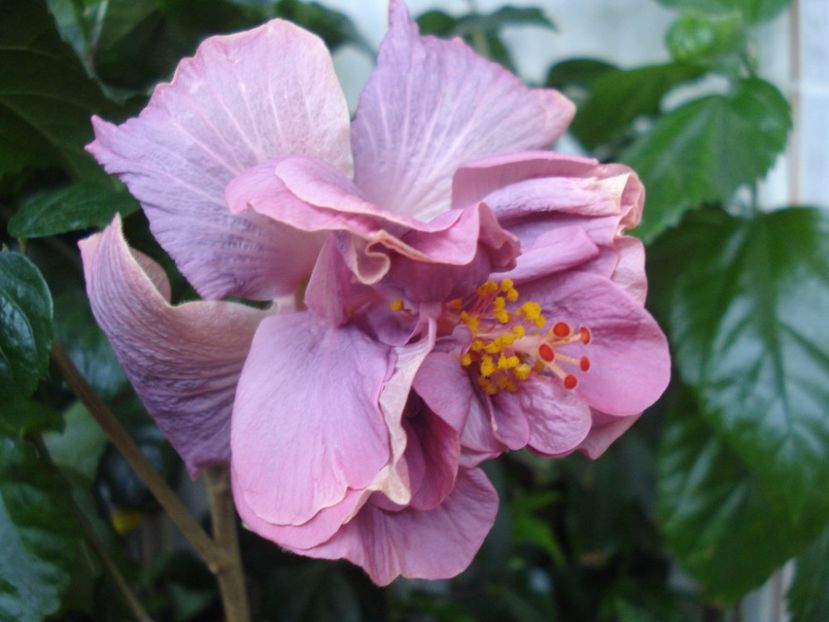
466	359
396	305
522	372
487	366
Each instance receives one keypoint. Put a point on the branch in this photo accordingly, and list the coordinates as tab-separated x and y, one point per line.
212	555
231	575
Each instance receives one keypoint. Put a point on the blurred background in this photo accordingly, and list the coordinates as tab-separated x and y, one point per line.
714	507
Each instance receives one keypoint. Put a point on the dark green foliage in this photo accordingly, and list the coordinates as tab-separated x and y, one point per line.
706	149
26	312
79	206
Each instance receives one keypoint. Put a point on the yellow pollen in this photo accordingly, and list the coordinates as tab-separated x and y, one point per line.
487	289
508	362
487	366
500	302
396	305
502	315
477	345
539	366
493	347
507	339
512	295
519	331
540	321
456	303
522	372
466	359
531	310
506	284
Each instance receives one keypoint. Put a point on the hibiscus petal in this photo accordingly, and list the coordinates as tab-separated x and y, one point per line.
605	430
630	364
555	250
432	544
183	361
316	531
311	195
432	105
535	192
558	419
307	424
241	99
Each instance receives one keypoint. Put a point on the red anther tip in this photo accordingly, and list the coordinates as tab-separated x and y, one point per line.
546	352
570	382
584	333
561	330
584	363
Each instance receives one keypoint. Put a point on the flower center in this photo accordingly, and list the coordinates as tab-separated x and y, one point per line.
512	342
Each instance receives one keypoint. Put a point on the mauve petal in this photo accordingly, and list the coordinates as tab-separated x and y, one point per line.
630	363
311	195
393	480
240	100
432	105
553	251
183	361
307	423
478	439
444	385
629	273
316	531
605	430
558	419
432	544
436	446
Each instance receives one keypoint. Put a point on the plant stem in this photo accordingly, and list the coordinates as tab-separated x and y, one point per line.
132	602
212	555
231	575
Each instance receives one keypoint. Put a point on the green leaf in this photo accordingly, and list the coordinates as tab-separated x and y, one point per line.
578	72
723	525
808	596
695	38
754	10
81	444
46	97
706	149
39	537
25	325
79	206
748	326
619	97
22	416
505	16
86	343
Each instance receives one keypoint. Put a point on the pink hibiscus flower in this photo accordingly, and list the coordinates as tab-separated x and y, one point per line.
252	182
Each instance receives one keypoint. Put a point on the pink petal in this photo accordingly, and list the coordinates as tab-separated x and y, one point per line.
436	445
311	195
557	249
605	430
558	420
630	364
183	361
316	531
307	423
432	105
444	385
478	439
432	544
240	100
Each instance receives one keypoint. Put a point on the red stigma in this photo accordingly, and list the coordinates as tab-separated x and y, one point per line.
584	363
585	335
546	352
570	381
561	330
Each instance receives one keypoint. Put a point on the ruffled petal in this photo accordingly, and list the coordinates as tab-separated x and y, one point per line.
557	419
630	365
429	260
240	100
183	361
432	544
312	533
432	105
307	422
